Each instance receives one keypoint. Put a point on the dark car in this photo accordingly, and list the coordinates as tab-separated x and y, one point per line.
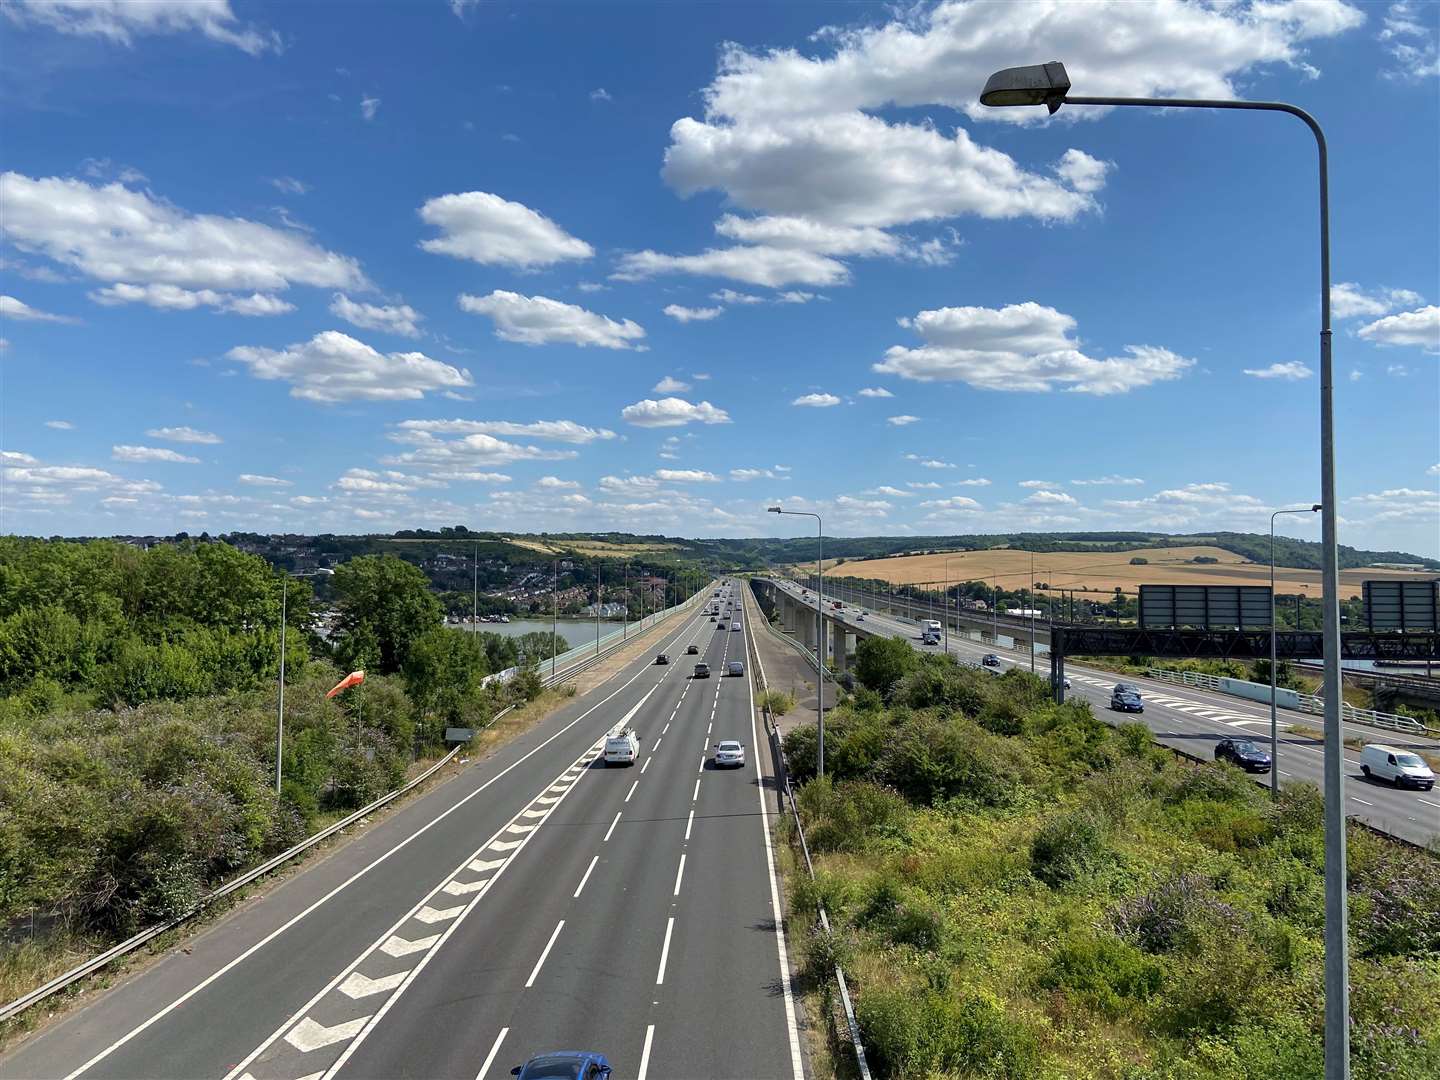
702	671
1244	754
662	658
564	1065
990	660
1126	700
691	650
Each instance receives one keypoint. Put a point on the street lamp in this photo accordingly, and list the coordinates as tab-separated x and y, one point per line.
819	630
1049	85
1274	722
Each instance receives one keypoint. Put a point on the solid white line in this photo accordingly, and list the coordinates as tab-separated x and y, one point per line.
646	765
1432	802
586	878
665	951
679	873
688	822
612	826
632	790
490	1057
138	1029
696	793
536	970
1362	802
645	1054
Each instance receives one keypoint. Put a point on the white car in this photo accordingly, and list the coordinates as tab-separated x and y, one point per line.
1399	767
622	748
734	627
729	753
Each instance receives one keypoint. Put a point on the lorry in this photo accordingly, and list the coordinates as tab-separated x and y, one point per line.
931	626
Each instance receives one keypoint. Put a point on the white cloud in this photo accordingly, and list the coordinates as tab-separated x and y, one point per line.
1410	39
672	412
485	228
17	457
730	296
691	314
1347	300
289	185
554	483
1420	328
386	482
1433	470
114	234
876	392
1081	171
1046	497
1291	371
1397	505
903	420
11	308
1126	481
686	476
60	425
794	296
816	401
121	22
396	318
150	453
954	502
628	485
559	430
929	463
923	485
332	367
976	481
892	492
757	474
1021	347
539	320
257	480
767	266
804	234
600	94
670	385
1038	484
184	435
369	106
174	298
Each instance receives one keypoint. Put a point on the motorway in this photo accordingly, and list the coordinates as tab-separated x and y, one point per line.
539	901
1194	720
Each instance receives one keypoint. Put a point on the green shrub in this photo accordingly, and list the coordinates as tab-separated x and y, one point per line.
929	760
928	1033
881	662
850	815
1069	848
1102	972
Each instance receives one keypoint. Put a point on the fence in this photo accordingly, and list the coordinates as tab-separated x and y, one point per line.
1288	699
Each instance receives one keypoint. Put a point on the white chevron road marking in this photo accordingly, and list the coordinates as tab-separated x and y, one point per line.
463	888
480	866
505	845
428	914
357	986
307	1035
398	946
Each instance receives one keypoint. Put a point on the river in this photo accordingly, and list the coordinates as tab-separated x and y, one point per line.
574	631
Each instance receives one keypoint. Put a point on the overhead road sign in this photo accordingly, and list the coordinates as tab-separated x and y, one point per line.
1205	607
1402	605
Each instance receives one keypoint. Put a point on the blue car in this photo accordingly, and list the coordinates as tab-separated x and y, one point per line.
565	1065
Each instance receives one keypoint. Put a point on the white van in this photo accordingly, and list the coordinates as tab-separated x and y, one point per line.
932	626
622	748
1399	767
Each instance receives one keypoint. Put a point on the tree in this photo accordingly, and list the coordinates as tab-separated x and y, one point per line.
443	672
385	605
880	663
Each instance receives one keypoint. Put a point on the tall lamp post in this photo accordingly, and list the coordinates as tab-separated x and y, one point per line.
280	708
1274	721
1049	85
819	630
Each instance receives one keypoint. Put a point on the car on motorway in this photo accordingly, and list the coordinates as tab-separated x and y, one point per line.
662	658
1064	682
565	1065
712	618
691	650
1400	767
622	747
721	626
734	627
990	660
1243	754
735	667
1127	699
729	753
860	617
702	671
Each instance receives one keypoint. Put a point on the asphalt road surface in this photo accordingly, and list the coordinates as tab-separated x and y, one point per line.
540	901
1195	720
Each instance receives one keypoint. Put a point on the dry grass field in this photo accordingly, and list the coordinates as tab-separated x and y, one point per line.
1102	572
597	548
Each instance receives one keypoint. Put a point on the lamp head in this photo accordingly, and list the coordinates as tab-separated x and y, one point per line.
1316	508
1038	84
775	510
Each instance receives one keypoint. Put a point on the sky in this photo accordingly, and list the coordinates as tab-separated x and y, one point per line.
331	267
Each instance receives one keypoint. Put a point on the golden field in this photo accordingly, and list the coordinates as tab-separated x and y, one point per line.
594	548
1101	572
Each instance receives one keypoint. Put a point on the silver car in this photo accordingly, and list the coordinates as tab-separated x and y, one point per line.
729	753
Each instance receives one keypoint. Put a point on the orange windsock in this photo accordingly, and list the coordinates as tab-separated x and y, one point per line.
355	678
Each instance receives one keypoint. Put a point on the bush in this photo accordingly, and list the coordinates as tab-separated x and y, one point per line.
850	815
881	662
1068	848
933	1032
1103	973
929	760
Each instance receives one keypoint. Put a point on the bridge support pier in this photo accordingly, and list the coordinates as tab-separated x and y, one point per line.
840	659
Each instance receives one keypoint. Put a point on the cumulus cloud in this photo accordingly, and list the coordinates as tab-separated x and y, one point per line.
767	266
923	485
539	320
628	485
115	234
1048	497
670	385
1081	171
929	463
1124	481
1291	371
1396	506
554	483
60	425
1420	328
954	502
121	23
333	367
558	430
891	492
1412	42
691	314
12	308
672	412
730	296
600	94
485	228
396	318
1038	484
902	420
805	234
150	453
1347	300
876	392
757	474
816	401
174	298
257	480
686	476
974	481
184	435
1026	347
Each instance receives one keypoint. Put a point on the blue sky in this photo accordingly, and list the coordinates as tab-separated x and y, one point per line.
331	267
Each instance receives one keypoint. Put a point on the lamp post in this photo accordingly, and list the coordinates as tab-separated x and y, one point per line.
1274	721
947	603
280	711
554	612
819	631
1049	85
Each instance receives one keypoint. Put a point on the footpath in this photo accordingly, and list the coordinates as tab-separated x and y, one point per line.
786	669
